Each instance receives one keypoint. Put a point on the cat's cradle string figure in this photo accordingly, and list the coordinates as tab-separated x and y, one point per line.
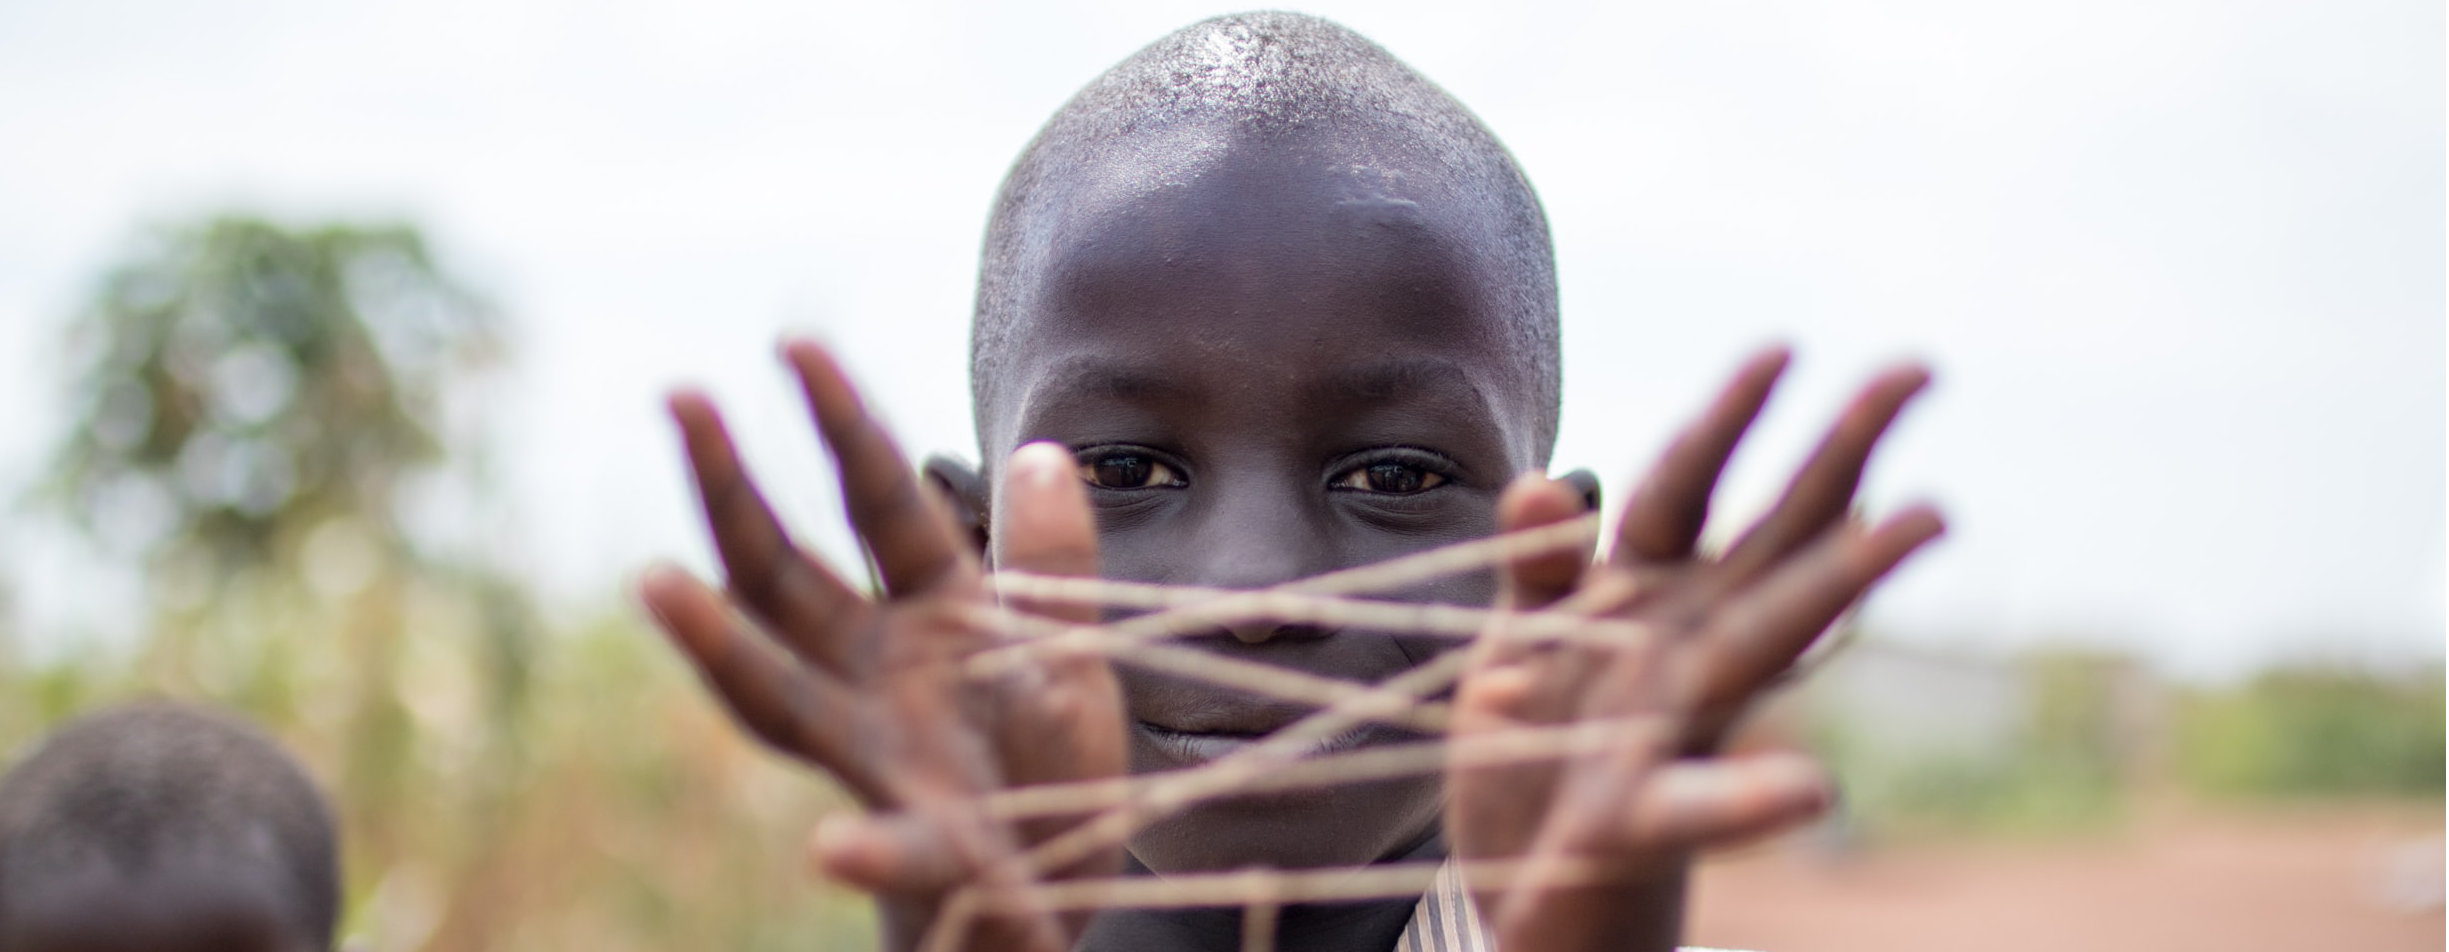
1262	618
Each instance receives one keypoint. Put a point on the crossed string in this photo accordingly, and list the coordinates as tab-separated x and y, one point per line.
1287	759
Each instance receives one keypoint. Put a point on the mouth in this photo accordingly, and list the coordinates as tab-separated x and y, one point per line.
1195	747
1179	723
1176	747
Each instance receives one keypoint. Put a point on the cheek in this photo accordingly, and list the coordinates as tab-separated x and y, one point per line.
1371	533
1137	544
1474	589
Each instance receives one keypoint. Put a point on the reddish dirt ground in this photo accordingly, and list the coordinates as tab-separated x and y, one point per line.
2182	881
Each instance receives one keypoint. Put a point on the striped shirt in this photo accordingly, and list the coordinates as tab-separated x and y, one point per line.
1446	920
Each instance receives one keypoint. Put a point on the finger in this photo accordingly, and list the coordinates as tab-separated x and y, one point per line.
1062	721
1695	804
1757	637
1492	698
1586	483
1532	583
1823	489
886	853
912	536
1552	901
1070	727
796	710
1489	699
1535	581
1662	521
903	854
1495	810
1042	524
800	600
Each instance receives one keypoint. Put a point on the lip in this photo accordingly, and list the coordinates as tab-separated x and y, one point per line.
1173	747
1221	712
1180	722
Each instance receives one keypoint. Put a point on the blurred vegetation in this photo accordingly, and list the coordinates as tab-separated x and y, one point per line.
2094	732
2316	732
2062	767
284	426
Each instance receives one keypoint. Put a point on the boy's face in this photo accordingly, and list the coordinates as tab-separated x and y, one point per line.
1274	362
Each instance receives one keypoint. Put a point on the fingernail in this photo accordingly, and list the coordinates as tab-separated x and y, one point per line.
834	844
1926	520
1801	775
656	578
834	834
1039	465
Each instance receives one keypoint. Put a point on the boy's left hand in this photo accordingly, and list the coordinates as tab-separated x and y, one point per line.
1604	836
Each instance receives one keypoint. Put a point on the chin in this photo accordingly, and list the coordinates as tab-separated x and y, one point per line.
1348	825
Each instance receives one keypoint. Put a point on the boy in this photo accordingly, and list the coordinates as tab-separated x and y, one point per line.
163	828
1270	305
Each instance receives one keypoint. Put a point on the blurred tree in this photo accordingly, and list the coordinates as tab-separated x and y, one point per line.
281	425
248	385
2318	731
258	406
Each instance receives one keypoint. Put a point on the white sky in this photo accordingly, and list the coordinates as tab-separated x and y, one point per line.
2179	264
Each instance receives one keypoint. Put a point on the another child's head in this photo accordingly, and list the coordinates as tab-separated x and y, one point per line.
161	827
1295	310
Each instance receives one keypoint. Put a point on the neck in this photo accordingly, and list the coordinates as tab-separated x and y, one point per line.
1371	926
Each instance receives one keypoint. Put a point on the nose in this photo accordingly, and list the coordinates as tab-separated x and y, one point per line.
1252	539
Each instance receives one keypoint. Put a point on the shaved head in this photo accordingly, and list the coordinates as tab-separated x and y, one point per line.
159	822
1285	84
1292	309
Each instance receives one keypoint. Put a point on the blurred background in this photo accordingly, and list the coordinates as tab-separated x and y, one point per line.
333	337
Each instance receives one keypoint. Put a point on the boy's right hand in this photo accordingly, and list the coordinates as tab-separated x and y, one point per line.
871	690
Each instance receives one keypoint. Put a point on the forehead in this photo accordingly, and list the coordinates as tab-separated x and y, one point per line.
1286	259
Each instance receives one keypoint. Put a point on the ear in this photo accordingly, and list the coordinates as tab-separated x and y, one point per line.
961	483
1588	483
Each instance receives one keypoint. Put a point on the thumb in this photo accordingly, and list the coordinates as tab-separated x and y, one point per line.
1532	582
886	853
1042	524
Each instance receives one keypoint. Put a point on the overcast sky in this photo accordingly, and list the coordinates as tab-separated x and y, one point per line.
2179	265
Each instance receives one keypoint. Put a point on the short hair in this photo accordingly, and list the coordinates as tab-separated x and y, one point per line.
1263	75
130	791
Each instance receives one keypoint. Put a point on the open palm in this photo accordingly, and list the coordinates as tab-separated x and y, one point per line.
872	689
1599	833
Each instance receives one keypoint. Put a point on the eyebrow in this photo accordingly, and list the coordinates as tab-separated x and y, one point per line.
1396	379
1089	376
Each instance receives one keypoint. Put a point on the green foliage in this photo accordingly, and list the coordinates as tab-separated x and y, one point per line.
2094	730
256	402
244	382
2316	732
1955	794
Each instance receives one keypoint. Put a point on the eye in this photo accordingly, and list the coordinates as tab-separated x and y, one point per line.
1389	477
1127	470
